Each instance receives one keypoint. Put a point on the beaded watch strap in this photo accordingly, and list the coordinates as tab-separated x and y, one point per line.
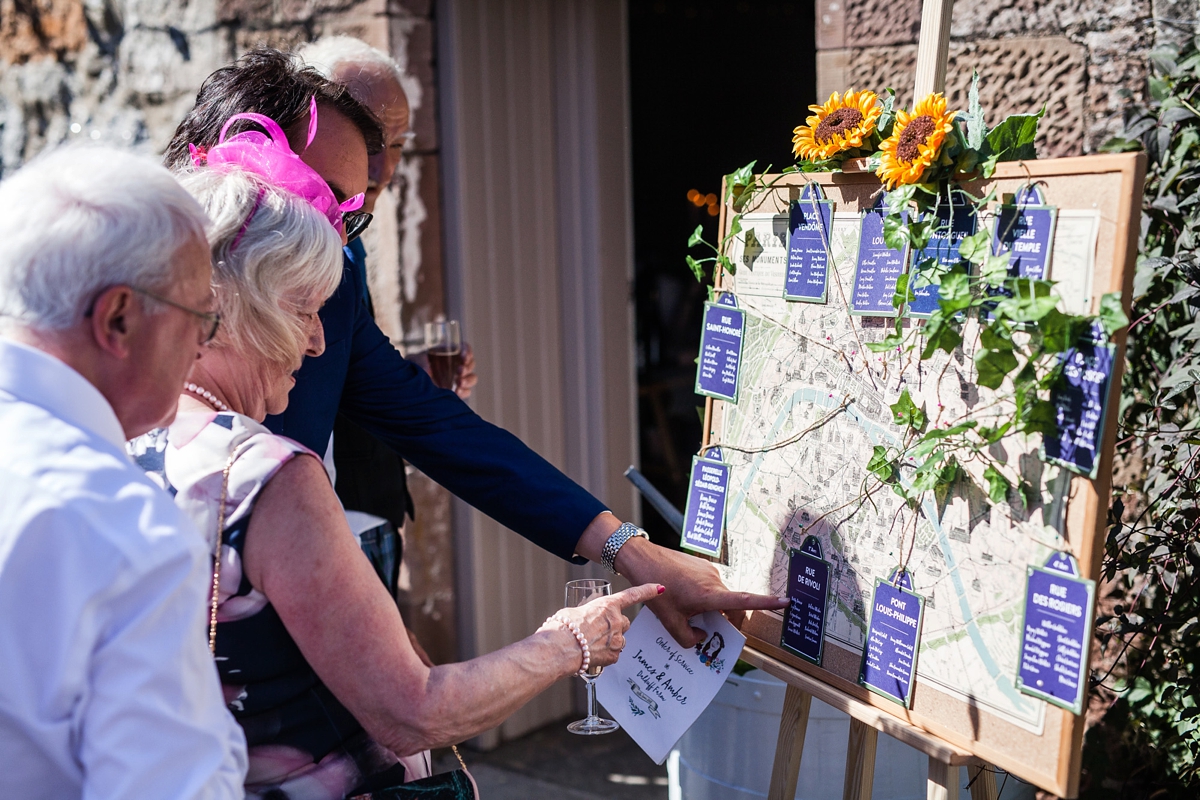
608	554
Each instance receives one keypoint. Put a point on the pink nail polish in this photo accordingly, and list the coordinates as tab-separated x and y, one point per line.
661	588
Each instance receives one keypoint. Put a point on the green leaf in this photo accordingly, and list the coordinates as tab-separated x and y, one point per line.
994	366
735	225
1159	89
905	411
901	295
1013	139
941	333
880	465
727	264
976	127
898	199
975	248
993	435
1041	418
1112	315
928	475
740	185
697	236
887	344
996	336
998	485
995	269
921	231
1058	331
1031	300
697	268
895	232
954	292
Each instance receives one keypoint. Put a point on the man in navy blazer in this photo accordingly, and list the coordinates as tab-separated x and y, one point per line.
361	375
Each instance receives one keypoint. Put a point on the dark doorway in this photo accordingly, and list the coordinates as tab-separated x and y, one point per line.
714	85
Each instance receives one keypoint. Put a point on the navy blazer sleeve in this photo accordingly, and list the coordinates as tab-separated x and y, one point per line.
364	377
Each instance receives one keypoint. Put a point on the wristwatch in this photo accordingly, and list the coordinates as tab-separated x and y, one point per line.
627	531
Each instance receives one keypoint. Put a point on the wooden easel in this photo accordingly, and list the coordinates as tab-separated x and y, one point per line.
866	721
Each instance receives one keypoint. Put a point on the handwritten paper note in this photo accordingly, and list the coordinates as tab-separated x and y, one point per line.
658	687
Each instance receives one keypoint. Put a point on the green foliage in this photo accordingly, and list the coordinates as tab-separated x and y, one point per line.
1013	139
1021	336
976	126
1151	637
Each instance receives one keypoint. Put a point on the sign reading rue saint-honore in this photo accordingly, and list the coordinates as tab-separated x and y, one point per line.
721	349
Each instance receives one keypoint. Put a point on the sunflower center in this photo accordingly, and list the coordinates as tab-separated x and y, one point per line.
915	134
839	121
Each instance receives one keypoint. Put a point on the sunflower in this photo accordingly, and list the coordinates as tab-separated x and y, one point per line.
916	142
842	124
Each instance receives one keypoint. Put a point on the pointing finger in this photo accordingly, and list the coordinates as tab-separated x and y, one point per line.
638	594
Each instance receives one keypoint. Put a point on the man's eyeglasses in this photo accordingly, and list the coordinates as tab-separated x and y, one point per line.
355	222
211	319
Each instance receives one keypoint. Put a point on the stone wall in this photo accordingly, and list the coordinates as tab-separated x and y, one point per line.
126	71
1083	59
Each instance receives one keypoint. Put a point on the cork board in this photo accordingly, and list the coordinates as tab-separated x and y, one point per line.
777	492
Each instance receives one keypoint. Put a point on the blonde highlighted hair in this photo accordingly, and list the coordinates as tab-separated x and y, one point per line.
273	253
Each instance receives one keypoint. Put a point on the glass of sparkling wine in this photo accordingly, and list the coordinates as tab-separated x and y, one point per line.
443	349
578	593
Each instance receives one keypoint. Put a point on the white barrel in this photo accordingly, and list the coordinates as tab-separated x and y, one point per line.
728	753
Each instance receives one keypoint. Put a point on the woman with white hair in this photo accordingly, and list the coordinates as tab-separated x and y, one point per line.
312	652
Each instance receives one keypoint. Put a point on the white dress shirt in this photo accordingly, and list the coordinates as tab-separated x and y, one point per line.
107	687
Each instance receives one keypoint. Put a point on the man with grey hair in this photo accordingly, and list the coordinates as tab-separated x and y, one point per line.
370	476
108	689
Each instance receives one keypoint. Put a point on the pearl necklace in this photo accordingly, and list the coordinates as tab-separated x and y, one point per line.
207	395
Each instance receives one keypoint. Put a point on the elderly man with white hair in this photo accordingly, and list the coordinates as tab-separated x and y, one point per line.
108	689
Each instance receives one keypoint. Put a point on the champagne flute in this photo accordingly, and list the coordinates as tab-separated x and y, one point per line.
443	349
578	593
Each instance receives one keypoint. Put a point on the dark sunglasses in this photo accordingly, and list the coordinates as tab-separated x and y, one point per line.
355	222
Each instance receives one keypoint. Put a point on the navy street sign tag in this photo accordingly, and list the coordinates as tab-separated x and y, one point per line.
889	664
808	246
1056	631
1080	399
952	224
876	269
1025	230
704	516
808	593
721	349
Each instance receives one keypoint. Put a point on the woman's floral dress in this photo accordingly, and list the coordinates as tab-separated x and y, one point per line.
302	742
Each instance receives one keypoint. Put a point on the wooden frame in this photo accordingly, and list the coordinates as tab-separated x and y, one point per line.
949	729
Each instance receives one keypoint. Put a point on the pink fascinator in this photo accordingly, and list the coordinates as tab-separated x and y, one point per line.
270	157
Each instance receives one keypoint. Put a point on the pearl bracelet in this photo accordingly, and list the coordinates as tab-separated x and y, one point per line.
579	637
